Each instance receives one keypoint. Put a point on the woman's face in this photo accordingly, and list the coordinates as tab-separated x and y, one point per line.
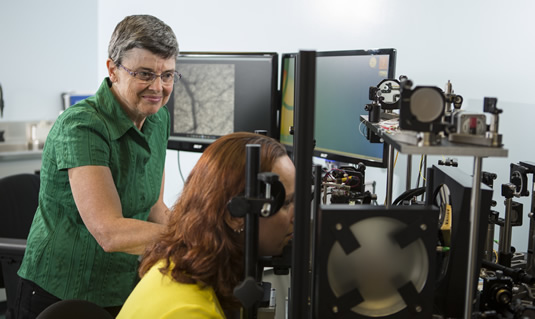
277	230
140	98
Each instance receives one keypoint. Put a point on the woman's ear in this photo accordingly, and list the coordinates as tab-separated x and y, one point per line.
235	223
112	70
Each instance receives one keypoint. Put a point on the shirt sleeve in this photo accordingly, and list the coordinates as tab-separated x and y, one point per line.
82	139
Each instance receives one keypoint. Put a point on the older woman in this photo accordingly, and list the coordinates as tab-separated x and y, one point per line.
102	178
192	270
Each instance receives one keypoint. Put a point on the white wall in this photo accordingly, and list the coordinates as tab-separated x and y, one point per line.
484	47
46	48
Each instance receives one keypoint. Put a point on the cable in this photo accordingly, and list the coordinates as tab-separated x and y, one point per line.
528	290
1	102
360	130
420	172
419	169
179	168
409	194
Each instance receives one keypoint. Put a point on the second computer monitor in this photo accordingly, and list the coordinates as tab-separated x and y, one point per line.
343	81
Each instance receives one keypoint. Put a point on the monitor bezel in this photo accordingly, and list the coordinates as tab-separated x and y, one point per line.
192	143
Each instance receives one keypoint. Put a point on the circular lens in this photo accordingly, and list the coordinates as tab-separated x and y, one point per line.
427	104
378	268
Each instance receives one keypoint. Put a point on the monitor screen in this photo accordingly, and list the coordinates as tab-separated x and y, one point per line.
220	93
343	80
288	61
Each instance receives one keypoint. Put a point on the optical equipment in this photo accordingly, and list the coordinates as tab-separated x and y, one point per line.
384	96
421	108
450	189
375	262
472	128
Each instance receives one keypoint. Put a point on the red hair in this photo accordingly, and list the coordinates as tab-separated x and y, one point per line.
198	239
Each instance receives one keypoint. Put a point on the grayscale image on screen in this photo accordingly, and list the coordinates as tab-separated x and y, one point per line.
220	93
204	99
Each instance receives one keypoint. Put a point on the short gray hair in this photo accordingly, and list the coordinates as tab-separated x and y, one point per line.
143	32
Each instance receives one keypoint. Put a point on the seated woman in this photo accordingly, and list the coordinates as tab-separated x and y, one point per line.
191	271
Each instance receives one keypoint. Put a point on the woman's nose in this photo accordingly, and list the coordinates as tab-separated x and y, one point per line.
156	84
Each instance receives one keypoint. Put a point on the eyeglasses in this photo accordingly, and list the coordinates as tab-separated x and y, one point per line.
147	76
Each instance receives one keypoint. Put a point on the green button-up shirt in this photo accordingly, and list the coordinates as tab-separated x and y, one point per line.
62	256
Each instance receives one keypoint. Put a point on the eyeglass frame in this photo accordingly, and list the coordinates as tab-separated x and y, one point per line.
152	75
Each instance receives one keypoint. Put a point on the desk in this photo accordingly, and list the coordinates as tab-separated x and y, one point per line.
20	162
403	142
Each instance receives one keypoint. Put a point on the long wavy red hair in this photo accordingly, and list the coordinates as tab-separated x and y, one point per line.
198	240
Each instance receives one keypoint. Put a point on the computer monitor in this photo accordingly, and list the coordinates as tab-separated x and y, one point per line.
220	93
71	98
287	88
343	80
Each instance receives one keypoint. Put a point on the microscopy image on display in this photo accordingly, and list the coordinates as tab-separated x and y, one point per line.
204	99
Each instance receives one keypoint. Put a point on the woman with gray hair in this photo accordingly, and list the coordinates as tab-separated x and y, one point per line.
102	176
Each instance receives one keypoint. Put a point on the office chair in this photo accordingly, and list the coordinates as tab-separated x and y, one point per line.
18	202
79	309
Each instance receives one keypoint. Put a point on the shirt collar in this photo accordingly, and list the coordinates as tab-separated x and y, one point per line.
115	114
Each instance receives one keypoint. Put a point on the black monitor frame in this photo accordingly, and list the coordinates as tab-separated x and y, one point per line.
247	112
345	157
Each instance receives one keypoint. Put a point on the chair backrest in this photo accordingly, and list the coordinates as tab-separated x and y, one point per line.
19	196
79	309
18	201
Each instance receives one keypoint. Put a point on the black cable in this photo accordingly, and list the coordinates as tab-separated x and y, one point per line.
1	102
410	193
179	168
419	171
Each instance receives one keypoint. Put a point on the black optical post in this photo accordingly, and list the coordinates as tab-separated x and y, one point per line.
251	220
253	204
304	146
249	291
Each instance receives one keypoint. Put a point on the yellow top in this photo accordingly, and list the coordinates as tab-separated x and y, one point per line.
159	296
